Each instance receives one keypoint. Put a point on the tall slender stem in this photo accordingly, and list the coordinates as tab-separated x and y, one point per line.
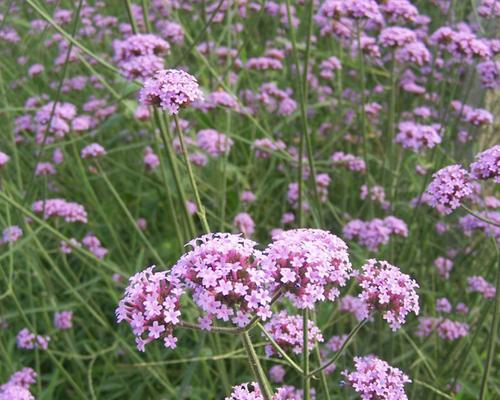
493	334
474	214
199	205
306	382
338	354
175	172
130	14
257	370
279	349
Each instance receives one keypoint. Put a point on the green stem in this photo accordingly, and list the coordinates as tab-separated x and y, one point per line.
279	349
493	335
257	370
165	137
474	214
130	14
201	210
339	353
306	382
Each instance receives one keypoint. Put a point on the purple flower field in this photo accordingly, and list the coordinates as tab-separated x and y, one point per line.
250	199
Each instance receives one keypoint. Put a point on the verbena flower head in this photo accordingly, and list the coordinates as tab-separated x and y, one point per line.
446	329
4	159
92	150
170	90
214	143
151	307
449	186
63	320
11	234
397	36
487	165
70	211
29	341
308	264
287	331
387	289
418	137
277	373
251	391
244	224
223	273
480	285
17	387
374	378
444	266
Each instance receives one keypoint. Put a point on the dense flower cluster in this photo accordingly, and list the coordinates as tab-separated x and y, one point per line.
418	137
374	378
140	56
355	306
287	331
171	90
480	285
222	271
244	224
450	185
17	387
70	211
349	161
251	391
470	223
151	307
214	143
92	150
29	341
11	234
446	329
444	266
63	320
385	288
375	233
487	165
309	265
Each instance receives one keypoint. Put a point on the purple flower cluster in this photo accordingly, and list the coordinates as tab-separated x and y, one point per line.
309	265
17	387
349	161
214	143
170	90
60	124
151	307
63	320
355	306
92	150
444	267
374	378
446	329
4	159
140	56
418	137
70	211
480	285
222	271
287	331
450	185
244	224
470	223
487	165
385	288
376	232
11	234
489	74
93	244
265	147
29	341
